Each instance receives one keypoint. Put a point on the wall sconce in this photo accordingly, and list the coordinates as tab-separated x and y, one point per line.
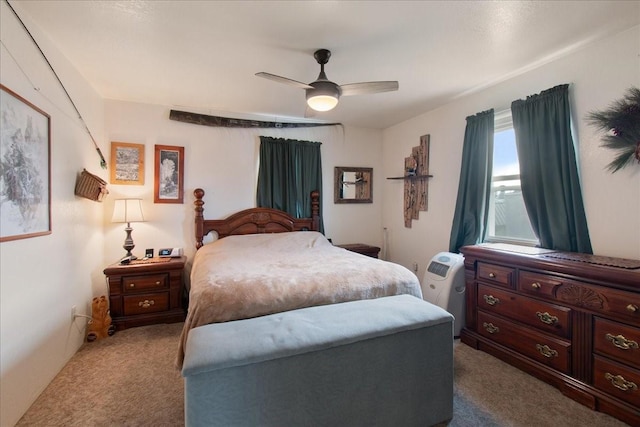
128	210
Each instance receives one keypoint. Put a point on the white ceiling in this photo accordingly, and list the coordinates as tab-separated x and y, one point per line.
202	56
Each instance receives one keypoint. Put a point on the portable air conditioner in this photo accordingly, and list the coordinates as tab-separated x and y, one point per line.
443	285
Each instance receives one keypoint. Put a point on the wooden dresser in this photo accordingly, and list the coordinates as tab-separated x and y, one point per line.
146	292
572	320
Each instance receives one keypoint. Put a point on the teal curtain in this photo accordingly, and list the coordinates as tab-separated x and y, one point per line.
472	204
289	171
549	171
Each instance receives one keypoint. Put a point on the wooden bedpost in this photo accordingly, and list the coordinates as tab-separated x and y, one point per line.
199	193
315	209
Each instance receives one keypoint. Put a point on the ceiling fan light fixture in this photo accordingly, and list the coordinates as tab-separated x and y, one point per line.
322	102
324	96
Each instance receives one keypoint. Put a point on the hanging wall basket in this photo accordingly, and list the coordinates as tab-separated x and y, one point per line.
91	187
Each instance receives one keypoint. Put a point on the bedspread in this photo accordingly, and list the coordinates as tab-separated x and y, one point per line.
240	277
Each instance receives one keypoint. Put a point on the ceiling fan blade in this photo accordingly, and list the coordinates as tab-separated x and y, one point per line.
284	80
368	87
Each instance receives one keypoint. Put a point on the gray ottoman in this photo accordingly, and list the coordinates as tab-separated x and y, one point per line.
377	362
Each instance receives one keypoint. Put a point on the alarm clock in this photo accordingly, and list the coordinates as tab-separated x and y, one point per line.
170	252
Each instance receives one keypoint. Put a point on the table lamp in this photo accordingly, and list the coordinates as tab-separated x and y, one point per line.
128	210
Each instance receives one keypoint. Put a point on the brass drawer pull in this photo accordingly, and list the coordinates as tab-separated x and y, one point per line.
546	351
491	300
632	308
547	318
491	328
158	282
621	342
146	303
536	285
492	275
620	383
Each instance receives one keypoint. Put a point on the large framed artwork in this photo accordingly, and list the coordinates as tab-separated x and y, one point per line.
127	163
25	168
169	174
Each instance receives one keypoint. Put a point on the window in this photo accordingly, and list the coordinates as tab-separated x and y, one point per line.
508	221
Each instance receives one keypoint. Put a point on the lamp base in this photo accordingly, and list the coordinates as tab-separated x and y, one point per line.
128	243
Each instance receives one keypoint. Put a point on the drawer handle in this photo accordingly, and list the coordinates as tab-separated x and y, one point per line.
632	308
491	328
492	275
491	300
547	318
146	303
536	285
620	383
158	282
621	342
132	285
546	351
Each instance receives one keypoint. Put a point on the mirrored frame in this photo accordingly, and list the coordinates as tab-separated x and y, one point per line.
353	185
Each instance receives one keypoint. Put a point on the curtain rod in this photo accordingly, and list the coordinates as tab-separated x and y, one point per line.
103	162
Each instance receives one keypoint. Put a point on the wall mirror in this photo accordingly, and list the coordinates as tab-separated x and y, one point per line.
353	185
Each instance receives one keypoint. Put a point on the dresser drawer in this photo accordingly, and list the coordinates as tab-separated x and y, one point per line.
540	285
541	315
607	301
617	380
543	348
144	283
617	341
496	274
624	305
146	303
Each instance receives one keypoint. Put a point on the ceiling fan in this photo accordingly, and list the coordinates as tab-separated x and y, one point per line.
323	94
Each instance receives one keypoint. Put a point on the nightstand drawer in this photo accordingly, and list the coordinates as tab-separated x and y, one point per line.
496	274
146	303
144	283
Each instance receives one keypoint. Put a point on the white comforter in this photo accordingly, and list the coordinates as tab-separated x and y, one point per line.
239	277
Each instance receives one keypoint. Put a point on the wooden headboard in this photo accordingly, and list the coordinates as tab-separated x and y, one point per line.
254	220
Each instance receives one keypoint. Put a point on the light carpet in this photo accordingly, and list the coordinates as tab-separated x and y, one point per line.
129	379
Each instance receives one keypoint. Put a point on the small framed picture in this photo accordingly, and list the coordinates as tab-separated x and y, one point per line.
127	163
169	174
25	172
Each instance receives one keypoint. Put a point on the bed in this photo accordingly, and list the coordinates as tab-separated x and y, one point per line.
264	262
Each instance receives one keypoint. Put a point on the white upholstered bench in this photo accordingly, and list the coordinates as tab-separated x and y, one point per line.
378	362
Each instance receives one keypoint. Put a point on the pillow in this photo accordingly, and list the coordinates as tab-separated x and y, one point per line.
287	241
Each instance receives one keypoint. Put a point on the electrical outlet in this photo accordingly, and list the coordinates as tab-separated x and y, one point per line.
415	267
73	313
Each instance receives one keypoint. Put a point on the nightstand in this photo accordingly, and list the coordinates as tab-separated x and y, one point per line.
146	292
361	248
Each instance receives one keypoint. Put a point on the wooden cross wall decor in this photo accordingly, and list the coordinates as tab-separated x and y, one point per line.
416	181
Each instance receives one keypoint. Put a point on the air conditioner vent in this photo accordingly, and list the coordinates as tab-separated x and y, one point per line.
438	269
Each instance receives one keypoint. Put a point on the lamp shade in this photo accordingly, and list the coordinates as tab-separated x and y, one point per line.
127	210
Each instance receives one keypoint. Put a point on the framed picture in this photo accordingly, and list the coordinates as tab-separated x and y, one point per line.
169	174
25	168
127	163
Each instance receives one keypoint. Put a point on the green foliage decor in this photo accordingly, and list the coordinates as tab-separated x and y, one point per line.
622	124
